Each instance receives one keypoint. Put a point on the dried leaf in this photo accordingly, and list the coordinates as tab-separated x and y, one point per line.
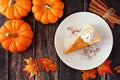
104	68
86	74
31	67
48	64
117	68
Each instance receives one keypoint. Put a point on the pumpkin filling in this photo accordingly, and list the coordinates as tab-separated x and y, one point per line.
47	6
13	35
11	2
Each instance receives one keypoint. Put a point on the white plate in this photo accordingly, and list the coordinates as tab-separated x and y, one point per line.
77	59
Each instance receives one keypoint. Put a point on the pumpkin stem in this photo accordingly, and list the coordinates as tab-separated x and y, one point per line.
11	2
47	6
11	34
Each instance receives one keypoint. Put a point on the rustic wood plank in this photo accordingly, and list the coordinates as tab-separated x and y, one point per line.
3	65
3	56
115	54
45	47
72	7
16	61
50	31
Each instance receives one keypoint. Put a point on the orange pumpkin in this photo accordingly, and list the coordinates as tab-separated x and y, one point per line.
47	11
13	9
16	35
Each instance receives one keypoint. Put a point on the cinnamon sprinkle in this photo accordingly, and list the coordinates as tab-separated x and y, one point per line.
73	30
90	51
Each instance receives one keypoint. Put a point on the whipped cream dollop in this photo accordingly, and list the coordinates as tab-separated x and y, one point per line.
88	35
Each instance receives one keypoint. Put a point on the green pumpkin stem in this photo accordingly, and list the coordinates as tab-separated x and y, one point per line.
47	6
11	2
13	35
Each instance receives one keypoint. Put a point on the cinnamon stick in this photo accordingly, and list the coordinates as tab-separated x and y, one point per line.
111	24
103	4
115	19
98	7
100	12
97	11
104	1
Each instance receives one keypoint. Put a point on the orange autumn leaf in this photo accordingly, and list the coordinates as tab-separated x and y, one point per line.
117	69
86	74
31	67
104	68
47	64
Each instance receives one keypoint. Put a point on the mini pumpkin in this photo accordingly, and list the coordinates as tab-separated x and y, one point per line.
13	9
47	11
16	35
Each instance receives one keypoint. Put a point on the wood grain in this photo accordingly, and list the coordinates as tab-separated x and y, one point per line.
3	56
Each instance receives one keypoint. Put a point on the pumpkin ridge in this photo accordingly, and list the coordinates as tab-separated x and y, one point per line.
51	17
3	9
3	2
8	44
25	37
25	29
44	18
15	26
9	13
5	29
19	10
8	25
3	39
54	14
56	5
26	42
22	7
22	22
60	15
16	42
37	2
52	1
30	36
39	8
20	43
38	16
12	44
16	46
16	12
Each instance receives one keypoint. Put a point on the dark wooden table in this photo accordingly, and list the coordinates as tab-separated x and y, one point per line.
11	65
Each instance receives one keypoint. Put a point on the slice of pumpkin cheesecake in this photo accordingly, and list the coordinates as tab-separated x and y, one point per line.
87	37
